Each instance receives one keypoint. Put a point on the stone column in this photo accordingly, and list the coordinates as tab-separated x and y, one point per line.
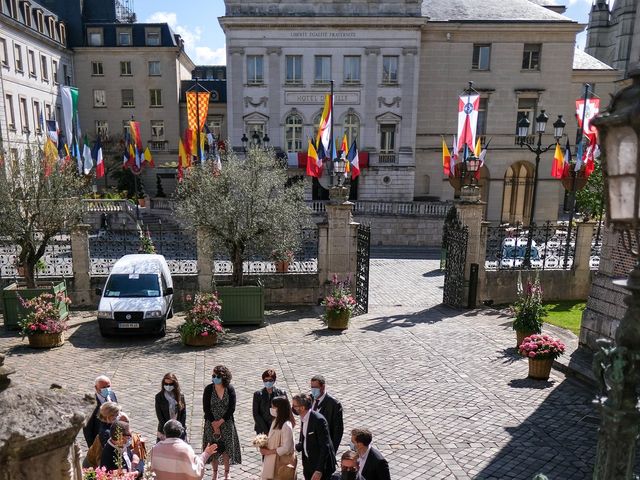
470	210
235	124
337	246
81	265
584	237
204	255
274	55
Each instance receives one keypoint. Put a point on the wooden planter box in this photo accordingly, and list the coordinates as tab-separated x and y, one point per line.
242	305
12	308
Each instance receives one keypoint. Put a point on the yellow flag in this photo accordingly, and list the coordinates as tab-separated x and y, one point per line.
478	148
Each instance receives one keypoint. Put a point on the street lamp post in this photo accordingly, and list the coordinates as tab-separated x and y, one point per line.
523	131
617	365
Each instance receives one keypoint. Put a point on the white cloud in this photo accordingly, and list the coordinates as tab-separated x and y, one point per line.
200	54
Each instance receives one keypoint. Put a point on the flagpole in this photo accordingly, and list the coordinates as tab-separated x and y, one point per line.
331	134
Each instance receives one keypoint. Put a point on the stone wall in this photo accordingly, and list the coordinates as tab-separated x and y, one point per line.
403	230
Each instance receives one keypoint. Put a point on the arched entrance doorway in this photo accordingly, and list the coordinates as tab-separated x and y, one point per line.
518	193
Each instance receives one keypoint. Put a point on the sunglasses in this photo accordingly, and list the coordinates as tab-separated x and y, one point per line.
269	380
168	384
217	375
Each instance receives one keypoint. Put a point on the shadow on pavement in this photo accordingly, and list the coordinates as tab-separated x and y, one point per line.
510	355
431	315
434	273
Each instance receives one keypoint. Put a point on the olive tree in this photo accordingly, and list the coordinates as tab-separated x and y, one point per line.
39	198
590	200
247	208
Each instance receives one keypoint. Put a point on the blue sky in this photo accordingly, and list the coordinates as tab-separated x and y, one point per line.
197	22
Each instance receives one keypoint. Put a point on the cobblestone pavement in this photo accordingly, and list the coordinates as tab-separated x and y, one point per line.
442	390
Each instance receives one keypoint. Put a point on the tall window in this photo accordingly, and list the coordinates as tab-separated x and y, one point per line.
48	111
124	38
63	34
9	112
389	69
99	98
65	73
152	38
37	116
294	68
94	38
155	97
125	68
531	56
481	56
17	53
4	55
154	68
54	71
32	63
352	128
44	68
255	69
482	117
293	133
97	69
351	69
157	130
24	114
127	97
527	108
322	69
387	138
102	128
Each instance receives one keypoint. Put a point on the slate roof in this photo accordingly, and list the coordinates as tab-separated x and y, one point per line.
489	11
583	61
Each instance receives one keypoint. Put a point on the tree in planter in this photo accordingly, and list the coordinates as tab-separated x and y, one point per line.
590	200
37	202
246	209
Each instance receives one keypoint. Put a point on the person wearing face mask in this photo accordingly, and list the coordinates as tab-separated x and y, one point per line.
262	402
279	453
219	404
372	464
170	405
117	452
103	394
107	414
329	407
348	467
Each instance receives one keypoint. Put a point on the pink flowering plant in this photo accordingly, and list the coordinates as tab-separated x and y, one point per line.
339	298
528	310
102	473
541	347
203	318
44	314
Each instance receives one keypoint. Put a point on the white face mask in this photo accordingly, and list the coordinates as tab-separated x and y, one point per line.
273	412
168	388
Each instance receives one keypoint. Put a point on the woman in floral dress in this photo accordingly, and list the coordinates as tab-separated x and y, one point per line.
219	404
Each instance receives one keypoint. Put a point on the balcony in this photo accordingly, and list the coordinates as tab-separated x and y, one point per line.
386	158
158	145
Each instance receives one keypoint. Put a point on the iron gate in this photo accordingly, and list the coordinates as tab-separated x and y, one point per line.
454	244
362	269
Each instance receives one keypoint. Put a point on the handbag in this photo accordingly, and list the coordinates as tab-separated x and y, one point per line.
217	440
94	453
286	467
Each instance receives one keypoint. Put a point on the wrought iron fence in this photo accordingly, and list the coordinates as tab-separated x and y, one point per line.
551	247
57	261
596	246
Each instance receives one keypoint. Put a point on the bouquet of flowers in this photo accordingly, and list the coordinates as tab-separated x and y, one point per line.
528	310
260	441
44	315
541	347
203	318
339	298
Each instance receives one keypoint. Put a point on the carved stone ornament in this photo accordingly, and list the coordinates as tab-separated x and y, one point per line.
236	50
395	101
274	51
249	101
410	51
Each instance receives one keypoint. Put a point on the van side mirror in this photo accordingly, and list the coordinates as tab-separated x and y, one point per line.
168	291
99	292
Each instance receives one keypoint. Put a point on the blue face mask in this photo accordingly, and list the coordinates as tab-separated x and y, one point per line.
105	392
315	392
352	446
216	380
268	384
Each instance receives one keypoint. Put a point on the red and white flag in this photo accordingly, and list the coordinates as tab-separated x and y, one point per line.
593	108
468	106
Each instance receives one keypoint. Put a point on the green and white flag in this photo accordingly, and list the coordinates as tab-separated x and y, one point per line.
69	111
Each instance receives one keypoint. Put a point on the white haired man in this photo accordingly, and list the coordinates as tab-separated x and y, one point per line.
103	393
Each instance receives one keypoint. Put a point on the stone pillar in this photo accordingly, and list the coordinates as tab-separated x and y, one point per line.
470	210
337	242
584	237
204	255
81	265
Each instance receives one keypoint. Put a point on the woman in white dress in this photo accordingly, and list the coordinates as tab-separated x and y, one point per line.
280	442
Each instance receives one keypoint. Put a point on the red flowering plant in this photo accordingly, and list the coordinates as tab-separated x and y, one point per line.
541	347
44	314
203	318
339	299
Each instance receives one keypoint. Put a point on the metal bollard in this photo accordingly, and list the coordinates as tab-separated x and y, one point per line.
473	286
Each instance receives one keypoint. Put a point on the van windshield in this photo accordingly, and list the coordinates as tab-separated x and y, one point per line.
124	285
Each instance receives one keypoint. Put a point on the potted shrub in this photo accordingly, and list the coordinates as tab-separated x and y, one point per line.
282	259
45	323
338	305
146	243
527	310
541	350
38	201
202	325
246	209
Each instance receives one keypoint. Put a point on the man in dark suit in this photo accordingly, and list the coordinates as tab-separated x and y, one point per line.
318	456
103	394
262	402
372	464
329	407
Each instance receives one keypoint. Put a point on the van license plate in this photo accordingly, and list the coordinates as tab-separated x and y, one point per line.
128	325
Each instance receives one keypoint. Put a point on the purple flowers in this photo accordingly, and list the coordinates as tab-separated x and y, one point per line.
541	347
44	315
339	298
203	318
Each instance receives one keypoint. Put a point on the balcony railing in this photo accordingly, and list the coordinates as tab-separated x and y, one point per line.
427	209
386	158
158	145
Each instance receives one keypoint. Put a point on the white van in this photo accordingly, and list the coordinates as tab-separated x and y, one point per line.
138	296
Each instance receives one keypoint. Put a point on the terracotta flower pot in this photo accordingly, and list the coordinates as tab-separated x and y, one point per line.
338	319
540	368
201	341
46	340
282	266
521	335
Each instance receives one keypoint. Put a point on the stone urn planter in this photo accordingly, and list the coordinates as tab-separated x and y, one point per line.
200	340
46	340
540	369
13	310
338	319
